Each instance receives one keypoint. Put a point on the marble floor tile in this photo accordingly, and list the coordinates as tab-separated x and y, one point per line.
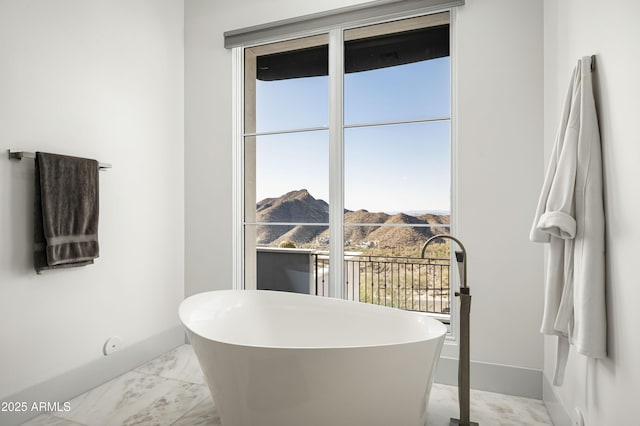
487	408
135	399
168	391
180	364
49	420
203	414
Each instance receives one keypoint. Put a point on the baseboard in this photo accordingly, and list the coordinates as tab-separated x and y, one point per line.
557	412
77	381
507	379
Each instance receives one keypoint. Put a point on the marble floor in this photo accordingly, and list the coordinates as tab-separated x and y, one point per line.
170	391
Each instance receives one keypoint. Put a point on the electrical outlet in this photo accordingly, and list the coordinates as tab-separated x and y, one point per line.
111	345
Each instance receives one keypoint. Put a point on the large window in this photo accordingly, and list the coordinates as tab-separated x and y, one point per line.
346	169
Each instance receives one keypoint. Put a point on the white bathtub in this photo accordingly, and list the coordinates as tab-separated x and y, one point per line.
285	359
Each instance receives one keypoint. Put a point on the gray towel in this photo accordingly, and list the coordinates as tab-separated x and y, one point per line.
65	211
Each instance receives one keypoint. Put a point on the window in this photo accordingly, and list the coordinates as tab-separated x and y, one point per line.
346	163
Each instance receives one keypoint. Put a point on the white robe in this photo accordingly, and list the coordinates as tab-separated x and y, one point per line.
570	217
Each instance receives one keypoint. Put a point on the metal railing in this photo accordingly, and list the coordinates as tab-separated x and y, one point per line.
413	284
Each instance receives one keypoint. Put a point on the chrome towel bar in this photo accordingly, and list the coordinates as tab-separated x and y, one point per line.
19	155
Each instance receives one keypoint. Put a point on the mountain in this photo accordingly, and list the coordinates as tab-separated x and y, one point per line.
300	206
294	206
391	236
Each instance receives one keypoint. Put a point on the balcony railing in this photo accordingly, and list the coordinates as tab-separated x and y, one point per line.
413	284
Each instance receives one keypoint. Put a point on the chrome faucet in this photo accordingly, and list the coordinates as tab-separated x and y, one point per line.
464	388
461	256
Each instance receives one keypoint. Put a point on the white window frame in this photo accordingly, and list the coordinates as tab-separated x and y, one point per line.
336	166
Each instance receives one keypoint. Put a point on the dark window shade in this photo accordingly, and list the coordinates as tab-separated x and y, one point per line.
396	49
310	62
360	55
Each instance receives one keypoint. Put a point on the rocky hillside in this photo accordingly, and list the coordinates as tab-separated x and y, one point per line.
294	206
300	206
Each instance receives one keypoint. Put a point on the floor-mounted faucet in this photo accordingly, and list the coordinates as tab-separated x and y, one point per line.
464	388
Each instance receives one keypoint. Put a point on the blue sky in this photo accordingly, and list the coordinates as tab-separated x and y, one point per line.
388	168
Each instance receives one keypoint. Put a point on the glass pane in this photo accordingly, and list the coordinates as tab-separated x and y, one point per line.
287	178
390	270
291	88
397	77
402	168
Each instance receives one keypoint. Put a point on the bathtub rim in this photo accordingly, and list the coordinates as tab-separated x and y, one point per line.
434	324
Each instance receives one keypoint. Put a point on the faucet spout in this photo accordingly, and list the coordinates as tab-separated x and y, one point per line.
461	256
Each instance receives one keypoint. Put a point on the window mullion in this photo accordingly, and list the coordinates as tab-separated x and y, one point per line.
336	164
238	241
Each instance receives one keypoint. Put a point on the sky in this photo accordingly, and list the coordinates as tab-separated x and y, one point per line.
391	168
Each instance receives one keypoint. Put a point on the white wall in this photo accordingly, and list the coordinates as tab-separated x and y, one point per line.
99	79
605	391
500	151
499	74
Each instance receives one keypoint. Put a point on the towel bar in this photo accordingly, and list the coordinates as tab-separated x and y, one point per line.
19	155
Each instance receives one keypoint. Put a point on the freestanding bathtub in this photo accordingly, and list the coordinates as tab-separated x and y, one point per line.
286	359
